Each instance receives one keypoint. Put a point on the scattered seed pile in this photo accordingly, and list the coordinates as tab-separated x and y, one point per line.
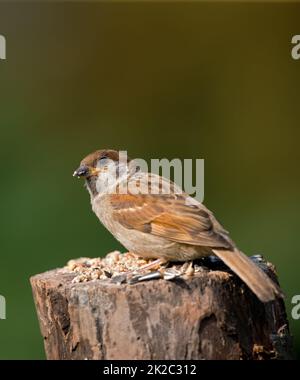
116	264
112	265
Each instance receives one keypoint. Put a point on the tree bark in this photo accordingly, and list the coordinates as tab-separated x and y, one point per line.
211	315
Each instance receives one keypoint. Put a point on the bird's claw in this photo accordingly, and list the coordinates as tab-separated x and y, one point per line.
164	273
170	274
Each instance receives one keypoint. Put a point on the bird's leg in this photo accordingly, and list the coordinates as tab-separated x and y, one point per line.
187	268
133	275
154	264
160	273
138	275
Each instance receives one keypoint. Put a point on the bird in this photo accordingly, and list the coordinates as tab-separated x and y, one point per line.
154	218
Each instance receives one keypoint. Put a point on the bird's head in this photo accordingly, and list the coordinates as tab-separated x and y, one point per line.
103	169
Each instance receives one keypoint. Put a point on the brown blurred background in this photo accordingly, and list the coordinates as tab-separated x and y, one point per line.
188	80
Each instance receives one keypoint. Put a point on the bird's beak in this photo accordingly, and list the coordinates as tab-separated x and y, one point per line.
85	171
82	171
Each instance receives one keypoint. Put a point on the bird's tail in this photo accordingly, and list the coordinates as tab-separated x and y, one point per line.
257	280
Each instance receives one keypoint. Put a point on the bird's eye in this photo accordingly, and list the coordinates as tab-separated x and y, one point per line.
103	161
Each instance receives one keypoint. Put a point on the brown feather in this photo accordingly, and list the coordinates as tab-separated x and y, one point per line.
169	217
257	280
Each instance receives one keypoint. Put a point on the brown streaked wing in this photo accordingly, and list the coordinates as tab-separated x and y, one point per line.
170	217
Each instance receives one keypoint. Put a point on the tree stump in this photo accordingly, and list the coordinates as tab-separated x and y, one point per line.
211	315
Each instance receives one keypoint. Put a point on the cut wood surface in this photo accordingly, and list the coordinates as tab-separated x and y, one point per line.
211	315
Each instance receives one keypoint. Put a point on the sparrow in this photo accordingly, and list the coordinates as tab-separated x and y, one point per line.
154	218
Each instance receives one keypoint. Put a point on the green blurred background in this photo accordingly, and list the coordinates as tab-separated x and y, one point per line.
195	80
